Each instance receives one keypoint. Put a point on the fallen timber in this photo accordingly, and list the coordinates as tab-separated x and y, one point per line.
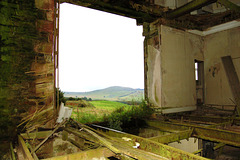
204	132
111	143
152	146
118	144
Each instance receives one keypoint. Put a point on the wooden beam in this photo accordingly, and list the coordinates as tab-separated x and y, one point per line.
155	148
40	144
230	5
37	135
173	137
189	7
90	154
26	152
232	79
144	13
203	132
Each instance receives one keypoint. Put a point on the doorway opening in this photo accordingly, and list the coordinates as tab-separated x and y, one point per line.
199	77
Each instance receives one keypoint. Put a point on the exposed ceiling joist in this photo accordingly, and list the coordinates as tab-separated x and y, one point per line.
144	11
230	5
189	7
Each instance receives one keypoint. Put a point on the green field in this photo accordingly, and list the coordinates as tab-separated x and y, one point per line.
97	111
114	93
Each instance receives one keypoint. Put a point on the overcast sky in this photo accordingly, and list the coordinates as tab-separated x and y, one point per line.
98	50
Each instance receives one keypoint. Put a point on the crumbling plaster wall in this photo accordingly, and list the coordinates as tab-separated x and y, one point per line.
217	45
169	68
26	61
170	54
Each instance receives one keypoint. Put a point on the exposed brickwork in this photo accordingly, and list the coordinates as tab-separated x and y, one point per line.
26	63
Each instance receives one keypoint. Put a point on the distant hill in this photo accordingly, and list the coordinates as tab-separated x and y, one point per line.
115	93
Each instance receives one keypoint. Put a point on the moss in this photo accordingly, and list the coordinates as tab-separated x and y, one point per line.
17	35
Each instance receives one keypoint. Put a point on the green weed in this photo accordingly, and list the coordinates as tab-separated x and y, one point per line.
123	117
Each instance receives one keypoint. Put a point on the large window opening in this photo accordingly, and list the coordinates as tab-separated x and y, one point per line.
98	50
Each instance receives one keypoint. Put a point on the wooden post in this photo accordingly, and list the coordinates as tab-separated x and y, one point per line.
232	79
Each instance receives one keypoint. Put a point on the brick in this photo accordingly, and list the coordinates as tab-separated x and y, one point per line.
50	37
50	15
46	48
45	26
44	4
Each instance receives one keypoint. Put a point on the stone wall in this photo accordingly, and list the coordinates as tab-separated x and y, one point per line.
26	63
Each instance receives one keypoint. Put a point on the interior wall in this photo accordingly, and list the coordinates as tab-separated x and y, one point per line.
217	45
170	53
179	50
170	72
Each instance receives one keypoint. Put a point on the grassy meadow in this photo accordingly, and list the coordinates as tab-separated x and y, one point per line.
94	111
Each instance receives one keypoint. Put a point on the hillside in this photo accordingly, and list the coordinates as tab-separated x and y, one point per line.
115	93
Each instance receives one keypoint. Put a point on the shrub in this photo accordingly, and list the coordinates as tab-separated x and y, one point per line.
121	118
61	96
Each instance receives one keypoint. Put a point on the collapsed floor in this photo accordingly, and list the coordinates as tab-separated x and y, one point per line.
207	135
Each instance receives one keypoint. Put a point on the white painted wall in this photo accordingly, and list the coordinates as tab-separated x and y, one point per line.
170	73
217	45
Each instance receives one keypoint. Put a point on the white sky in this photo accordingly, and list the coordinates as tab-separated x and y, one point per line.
98	50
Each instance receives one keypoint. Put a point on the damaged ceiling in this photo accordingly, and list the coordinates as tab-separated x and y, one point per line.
183	14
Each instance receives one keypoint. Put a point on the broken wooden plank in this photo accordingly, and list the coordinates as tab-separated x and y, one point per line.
38	146
90	154
173	137
33	153
27	154
232	79
149	146
12	152
81	134
103	141
219	145
203	132
36	135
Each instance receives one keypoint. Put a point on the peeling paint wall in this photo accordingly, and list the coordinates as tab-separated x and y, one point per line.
224	43
170	53
169	68
26	63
